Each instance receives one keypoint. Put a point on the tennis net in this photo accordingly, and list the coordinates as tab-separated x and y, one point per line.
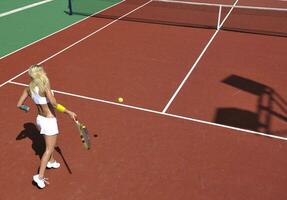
88	7
257	20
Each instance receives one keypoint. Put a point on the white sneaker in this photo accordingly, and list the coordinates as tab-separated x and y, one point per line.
40	181
54	165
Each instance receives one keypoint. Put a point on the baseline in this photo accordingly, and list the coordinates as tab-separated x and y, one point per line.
159	113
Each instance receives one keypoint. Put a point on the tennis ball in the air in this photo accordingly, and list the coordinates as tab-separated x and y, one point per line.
120	99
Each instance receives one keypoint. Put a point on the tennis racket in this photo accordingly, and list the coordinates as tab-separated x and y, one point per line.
84	134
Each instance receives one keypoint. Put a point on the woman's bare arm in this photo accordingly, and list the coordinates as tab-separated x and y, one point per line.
53	101
23	97
51	98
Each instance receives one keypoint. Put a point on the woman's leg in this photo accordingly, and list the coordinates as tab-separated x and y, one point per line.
50	146
52	159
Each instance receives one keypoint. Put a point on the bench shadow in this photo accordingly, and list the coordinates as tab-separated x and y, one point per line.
261	119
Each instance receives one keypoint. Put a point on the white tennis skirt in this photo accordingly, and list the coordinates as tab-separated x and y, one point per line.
47	125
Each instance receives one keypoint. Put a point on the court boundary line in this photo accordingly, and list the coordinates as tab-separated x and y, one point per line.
24	8
60	30
77	42
159	113
197	61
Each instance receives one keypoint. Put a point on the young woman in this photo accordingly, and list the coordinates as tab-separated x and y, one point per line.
40	92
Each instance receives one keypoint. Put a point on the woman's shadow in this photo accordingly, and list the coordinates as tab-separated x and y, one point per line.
38	142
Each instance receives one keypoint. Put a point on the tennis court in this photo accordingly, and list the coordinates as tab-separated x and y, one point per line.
204	113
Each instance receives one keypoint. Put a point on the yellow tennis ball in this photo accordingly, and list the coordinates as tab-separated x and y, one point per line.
120	99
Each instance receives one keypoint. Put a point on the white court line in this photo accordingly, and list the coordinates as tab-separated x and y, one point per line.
228	14
159	113
59	30
24	8
196	62
70	46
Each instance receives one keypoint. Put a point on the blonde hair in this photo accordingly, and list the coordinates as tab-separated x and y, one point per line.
39	79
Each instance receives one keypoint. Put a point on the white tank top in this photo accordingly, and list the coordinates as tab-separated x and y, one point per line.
37	98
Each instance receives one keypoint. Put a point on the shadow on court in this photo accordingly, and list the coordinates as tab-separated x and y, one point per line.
38	142
267	100
58	149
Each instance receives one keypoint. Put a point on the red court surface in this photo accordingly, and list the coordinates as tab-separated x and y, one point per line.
264	3
128	64
140	155
213	91
144	148
226	2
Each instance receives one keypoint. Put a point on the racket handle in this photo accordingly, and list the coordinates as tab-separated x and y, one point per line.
81	126
25	108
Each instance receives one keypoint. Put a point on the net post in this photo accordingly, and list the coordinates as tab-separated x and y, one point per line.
70	7
219	17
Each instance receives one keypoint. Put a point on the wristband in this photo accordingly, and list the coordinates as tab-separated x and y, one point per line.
60	108
24	107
